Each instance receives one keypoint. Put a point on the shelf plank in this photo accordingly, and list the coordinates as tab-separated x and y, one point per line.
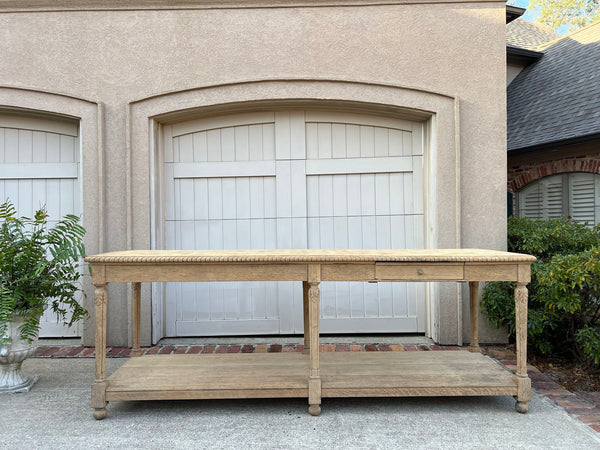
272	375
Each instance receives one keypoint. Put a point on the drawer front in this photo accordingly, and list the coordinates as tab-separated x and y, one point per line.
418	272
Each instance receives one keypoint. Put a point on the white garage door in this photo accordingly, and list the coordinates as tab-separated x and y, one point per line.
293	179
39	165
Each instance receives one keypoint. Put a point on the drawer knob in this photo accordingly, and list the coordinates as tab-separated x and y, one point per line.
420	272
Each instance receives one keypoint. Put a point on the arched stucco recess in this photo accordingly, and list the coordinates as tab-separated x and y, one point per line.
90	116
586	164
439	111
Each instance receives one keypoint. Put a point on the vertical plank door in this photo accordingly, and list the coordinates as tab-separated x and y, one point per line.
39	166
292	179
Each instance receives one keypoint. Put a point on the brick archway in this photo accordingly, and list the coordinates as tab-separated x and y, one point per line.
520	177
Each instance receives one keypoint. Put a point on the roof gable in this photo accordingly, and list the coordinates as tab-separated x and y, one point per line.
523	34
558	97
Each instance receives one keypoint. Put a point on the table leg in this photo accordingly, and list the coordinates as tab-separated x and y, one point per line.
474	306
305	303
523	381
314	380
99	387
136	302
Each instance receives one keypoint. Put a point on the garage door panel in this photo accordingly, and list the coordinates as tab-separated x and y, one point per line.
342	300
213	139
352	141
227	144
382	193
400	299
284	233
367	194
25	154
396	147
215	198
409	195
321	184
59	196
289	135
340	196
217	122
367	141
229	203
386	301
339	141
349	118
384	232
52	148
417	185
39	167
284	188
215	213
11	142
398	235
68	149
371	300
354	190
396	184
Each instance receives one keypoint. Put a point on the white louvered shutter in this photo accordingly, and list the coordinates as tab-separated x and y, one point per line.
530	202
582	197
576	195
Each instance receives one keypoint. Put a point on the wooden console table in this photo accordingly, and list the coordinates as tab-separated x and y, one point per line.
310	374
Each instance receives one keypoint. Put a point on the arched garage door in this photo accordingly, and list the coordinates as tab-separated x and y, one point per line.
39	165
293	179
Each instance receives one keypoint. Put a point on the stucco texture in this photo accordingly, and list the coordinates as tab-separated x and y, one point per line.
451	51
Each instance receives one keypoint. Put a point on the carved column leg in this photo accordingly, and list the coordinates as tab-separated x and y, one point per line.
100	383
136	302
474	305
523	381
314	380
306	307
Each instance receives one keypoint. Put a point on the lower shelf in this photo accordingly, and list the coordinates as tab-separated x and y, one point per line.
271	375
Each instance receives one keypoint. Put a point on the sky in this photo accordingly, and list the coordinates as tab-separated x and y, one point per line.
523	4
529	16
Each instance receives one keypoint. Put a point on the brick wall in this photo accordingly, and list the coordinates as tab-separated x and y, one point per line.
522	174
529	167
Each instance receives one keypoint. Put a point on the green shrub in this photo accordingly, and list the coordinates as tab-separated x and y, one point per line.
564	293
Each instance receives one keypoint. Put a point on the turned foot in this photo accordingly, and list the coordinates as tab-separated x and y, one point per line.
314	410
99	413
522	407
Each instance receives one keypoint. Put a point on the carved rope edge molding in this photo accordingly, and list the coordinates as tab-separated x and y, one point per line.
299	259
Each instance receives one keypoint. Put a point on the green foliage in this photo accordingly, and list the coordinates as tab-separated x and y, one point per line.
564	293
588	338
39	266
555	14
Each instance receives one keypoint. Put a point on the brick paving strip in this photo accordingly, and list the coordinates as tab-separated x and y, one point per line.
585	406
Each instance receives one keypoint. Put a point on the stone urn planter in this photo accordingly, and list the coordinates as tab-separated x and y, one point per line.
13	351
40	267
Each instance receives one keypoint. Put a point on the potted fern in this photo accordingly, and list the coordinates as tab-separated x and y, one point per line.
39	268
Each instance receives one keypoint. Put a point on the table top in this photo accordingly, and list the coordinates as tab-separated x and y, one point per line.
463	255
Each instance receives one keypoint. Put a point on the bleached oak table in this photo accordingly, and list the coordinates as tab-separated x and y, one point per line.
309	374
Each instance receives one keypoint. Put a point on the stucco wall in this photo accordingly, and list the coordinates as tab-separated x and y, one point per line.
118	58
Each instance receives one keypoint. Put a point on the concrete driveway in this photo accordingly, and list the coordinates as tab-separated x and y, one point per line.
55	414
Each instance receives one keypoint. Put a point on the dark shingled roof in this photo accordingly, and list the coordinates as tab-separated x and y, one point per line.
557	97
523	34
